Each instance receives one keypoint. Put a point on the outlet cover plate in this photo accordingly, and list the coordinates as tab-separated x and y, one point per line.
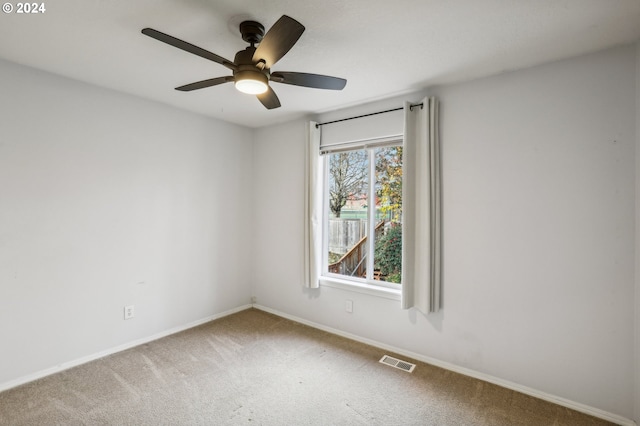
129	312
349	306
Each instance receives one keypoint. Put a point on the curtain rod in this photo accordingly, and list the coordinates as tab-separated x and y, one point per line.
367	115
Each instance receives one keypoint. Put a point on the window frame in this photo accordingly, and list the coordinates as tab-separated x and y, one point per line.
362	285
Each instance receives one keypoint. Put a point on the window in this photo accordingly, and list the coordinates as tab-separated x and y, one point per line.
393	198
363	198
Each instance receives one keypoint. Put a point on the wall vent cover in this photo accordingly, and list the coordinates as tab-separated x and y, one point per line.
398	363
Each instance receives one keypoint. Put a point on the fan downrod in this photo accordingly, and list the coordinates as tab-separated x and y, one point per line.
252	31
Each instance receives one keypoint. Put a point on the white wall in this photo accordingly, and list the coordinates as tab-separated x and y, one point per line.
538	172
108	200
637	233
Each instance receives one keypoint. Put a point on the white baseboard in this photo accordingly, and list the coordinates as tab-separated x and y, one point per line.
66	365
592	411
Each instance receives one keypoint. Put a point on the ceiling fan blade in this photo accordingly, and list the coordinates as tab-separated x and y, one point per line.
205	83
188	47
278	40
309	80
269	99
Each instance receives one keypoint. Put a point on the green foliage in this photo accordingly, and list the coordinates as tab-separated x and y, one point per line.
388	254
394	278
334	257
389	180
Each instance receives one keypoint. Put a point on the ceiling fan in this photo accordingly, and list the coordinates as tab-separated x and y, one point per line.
251	67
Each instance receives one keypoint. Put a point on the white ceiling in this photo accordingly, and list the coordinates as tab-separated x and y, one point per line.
383	48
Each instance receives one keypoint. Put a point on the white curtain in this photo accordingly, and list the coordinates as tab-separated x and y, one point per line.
313	208
421	198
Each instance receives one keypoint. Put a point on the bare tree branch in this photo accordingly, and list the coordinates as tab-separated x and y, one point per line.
347	178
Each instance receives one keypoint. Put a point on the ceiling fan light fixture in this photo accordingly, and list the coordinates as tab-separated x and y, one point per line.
251	82
252	66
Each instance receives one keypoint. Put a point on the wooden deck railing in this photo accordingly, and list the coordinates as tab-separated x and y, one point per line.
353	262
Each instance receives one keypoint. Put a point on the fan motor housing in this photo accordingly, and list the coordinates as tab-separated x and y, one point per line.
252	31
245	57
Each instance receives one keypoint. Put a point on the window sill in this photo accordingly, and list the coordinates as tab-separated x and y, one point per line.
387	293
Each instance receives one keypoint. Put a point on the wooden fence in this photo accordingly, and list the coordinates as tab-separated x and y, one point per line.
353	262
345	233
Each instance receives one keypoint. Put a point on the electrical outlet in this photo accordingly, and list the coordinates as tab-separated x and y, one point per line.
129	312
348	306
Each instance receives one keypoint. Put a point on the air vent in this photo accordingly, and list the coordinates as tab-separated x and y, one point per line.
398	363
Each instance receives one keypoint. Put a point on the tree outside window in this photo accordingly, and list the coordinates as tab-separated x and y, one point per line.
364	191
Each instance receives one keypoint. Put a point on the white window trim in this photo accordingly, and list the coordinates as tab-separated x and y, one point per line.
360	287
379	288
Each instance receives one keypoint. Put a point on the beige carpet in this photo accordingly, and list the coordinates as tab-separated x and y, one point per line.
257	368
